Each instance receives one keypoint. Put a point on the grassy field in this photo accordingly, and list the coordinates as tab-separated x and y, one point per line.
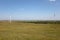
29	31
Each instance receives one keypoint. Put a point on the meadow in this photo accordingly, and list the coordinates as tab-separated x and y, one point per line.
28	31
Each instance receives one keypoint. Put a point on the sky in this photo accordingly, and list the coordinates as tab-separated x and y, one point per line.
30	9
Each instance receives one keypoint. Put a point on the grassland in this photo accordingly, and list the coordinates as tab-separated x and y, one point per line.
29	31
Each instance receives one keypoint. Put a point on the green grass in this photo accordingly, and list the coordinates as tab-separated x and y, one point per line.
29	31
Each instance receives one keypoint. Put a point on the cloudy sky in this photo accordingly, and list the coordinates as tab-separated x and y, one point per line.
30	9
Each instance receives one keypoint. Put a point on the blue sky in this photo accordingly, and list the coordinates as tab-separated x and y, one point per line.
30	9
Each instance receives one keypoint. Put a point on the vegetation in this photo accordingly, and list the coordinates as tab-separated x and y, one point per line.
44	22
19	30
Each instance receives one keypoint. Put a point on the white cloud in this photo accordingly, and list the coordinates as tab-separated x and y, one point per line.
52	0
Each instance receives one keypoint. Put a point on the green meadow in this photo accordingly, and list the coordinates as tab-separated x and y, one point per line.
28	31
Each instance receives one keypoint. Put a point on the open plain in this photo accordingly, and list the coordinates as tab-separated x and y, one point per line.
29	31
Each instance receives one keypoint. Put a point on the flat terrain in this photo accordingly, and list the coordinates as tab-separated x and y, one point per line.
29	31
